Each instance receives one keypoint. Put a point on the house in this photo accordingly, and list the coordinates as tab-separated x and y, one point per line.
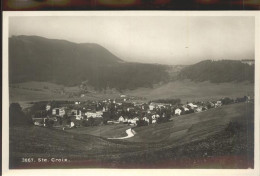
39	121
125	120
177	111
48	107
136	119
97	114
153	121
248	61
151	106
77	114
146	119
72	124
218	104
185	108
76	121
198	109
58	111
130	109
192	106
133	121
121	119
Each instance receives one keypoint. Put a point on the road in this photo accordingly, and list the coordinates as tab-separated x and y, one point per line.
130	133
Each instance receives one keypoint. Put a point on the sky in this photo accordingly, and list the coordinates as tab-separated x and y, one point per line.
169	40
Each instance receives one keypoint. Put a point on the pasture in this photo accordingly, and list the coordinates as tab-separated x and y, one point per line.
185	90
174	144
105	131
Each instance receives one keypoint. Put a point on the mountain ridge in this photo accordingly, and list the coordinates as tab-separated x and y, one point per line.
34	58
68	63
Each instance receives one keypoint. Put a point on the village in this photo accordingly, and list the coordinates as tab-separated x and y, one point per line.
73	114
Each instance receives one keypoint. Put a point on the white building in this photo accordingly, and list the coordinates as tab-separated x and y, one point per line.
58	111
198	109
185	108
248	61
48	107
178	111
121	119
97	114
151	106
146	119
77	114
192	106
218	104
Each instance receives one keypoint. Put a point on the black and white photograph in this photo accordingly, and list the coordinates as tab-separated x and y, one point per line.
131	90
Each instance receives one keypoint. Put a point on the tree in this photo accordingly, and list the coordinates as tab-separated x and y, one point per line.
226	101
141	123
17	116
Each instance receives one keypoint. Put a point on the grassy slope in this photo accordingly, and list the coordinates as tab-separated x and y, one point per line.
192	127
39	91
107	131
190	91
153	144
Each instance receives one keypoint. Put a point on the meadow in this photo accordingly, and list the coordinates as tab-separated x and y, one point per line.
205	136
185	90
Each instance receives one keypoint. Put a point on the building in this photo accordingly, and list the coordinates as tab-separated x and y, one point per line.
218	104
97	114
48	107
198	109
121	119
185	108
146	119
177	111
192	106
76	113
58	111
248	61
151	106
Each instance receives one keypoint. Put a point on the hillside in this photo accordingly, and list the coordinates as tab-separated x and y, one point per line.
218	71
33	58
217	138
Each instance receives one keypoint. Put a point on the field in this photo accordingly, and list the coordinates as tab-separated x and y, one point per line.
197	140
106	131
185	90
195	91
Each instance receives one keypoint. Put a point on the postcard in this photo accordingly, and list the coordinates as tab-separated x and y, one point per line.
131	92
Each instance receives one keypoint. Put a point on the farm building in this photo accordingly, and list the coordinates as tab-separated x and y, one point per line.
177	111
58	112
97	114
121	119
76	113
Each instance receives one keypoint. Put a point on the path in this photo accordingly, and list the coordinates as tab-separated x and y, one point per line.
129	132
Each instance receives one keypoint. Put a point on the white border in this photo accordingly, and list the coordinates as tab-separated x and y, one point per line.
123	172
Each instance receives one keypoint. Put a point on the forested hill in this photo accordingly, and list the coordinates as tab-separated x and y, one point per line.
218	71
34	58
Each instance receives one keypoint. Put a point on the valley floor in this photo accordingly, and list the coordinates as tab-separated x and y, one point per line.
185	90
